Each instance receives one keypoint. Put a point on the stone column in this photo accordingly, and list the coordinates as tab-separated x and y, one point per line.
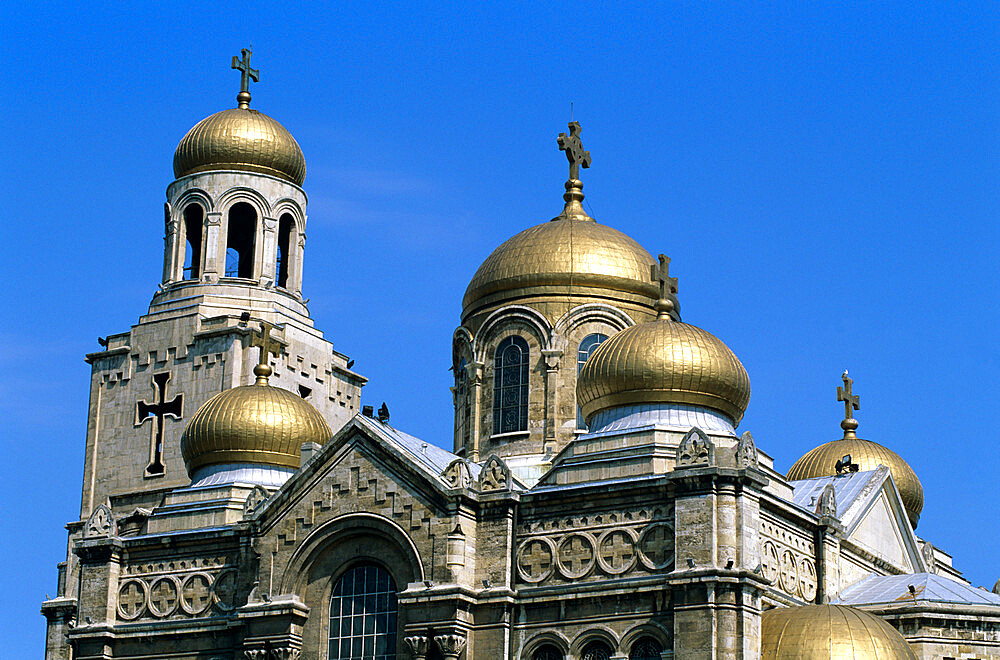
295	267
475	371
268	252
171	243
214	250
450	646
552	357
60	615
100	566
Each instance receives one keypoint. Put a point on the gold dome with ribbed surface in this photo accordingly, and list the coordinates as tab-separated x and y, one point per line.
822	461
824	632
563	256
252	424
663	361
240	139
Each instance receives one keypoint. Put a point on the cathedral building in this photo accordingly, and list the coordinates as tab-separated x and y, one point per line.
239	502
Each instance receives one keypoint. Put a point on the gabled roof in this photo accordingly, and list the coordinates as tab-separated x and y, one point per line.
431	458
928	587
847	489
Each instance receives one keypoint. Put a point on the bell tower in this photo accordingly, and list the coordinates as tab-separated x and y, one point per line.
234	245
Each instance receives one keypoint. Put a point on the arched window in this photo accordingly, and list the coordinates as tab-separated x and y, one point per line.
510	386
587	346
547	652
596	650
363	615
462	405
646	648
194	217
240	240
281	266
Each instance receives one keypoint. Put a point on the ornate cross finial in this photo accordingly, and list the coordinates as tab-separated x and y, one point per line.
246	75
268	346
660	273
852	402
573	147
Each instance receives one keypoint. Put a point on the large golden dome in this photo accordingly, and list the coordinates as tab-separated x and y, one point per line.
240	139
822	461
664	361
252	424
565	255
822	632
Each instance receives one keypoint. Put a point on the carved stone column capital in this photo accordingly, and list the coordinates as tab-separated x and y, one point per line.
451	646
552	357
418	646
285	653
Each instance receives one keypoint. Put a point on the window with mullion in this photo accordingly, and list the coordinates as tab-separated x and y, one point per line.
363	615
510	386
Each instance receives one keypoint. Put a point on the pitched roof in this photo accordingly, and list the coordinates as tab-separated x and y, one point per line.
928	587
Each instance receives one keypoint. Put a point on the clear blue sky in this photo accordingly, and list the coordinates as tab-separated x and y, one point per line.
823	176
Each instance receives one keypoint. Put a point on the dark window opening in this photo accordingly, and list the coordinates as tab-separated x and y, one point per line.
646	648
586	349
240	241
462	402
510	386
363	615
596	651
285	225
193	219
547	652
304	391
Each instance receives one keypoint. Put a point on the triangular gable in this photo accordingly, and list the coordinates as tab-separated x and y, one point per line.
379	446
877	522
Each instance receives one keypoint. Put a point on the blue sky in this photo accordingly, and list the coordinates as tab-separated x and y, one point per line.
823	176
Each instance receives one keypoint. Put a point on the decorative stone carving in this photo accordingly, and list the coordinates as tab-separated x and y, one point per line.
495	475
101	522
224	590
552	357
746	451
535	559
807	579
457	474
576	555
616	553
285	653
996	588
656	546
788	574
827	505
254	500
451	646
455	556
255	654
927	552
769	560
163	598
695	450
132	599
418	646
196	593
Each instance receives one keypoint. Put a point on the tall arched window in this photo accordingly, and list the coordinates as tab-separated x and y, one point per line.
596	650
547	652
510	386
194	217
363	615
646	648
587	346
281	266
240	240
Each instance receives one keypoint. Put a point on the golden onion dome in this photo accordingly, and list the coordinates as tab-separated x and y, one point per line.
240	139
252	424
571	253
663	361
821	632
822	461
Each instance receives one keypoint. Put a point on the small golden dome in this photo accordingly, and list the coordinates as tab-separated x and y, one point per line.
252	424
240	139
822	461
664	361
566	255
821	632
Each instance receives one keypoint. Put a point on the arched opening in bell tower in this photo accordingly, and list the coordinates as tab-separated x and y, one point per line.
194	217
286	225
240	241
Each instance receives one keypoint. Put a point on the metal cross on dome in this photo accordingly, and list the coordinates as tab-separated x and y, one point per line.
573	147
661	274
851	401
268	345
246	73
